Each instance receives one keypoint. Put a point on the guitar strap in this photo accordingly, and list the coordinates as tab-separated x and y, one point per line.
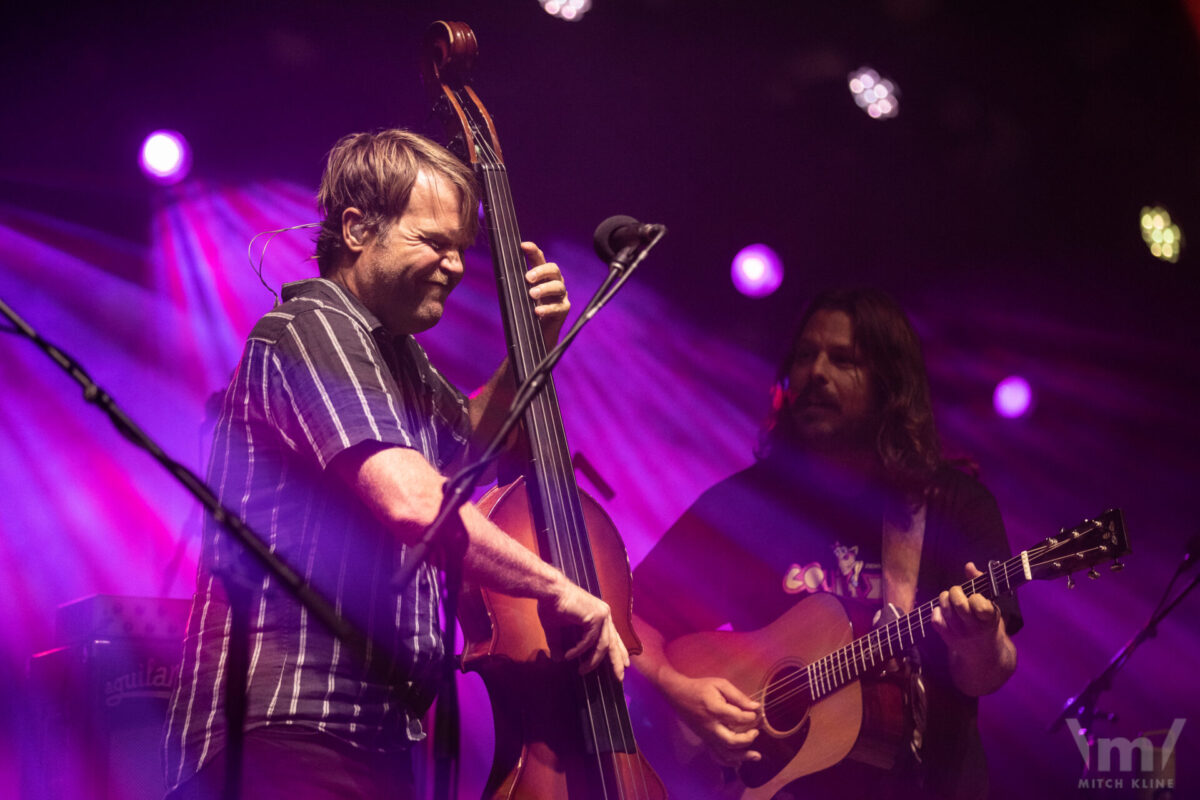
901	557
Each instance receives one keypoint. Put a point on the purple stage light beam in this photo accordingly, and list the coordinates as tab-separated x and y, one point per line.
1012	397
757	270
166	157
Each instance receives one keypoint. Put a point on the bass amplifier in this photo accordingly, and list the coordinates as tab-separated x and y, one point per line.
99	700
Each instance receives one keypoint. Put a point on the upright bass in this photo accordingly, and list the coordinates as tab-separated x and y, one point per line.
558	734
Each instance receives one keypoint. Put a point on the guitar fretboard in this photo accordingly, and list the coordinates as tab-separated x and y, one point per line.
869	652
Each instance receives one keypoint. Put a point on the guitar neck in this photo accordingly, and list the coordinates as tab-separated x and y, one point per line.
870	652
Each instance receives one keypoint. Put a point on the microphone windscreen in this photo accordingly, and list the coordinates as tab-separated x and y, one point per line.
602	240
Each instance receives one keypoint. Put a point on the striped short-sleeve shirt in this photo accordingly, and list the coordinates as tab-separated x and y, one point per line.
318	376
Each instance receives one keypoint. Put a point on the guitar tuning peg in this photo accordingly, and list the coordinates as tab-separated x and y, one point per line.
1070	581
1116	566
1093	574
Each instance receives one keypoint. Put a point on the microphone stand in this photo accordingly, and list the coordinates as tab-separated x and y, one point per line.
235	705
456	491
1084	705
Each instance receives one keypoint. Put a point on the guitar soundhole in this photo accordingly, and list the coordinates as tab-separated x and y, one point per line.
786	700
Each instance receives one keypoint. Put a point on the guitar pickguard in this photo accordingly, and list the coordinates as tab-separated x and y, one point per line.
776	752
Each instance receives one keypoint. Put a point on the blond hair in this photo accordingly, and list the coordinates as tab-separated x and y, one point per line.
375	173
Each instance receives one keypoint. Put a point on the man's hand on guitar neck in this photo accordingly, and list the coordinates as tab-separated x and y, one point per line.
982	656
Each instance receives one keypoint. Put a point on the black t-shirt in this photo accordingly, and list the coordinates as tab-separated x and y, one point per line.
758	542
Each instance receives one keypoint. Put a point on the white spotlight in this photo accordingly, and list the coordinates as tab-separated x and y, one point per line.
878	97
166	157
570	10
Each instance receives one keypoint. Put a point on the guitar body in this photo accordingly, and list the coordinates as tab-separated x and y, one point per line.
862	721
540	748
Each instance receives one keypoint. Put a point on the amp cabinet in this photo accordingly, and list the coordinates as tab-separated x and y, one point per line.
99	701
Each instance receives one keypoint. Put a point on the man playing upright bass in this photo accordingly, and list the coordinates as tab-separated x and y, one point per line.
333	439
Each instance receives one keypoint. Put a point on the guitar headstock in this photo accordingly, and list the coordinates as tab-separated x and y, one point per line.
1091	542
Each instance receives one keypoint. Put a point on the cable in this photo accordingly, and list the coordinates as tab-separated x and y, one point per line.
258	269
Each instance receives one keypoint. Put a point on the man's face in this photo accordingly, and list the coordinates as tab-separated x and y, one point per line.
833	406
406	270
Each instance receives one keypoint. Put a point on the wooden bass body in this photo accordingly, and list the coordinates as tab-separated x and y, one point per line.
537	701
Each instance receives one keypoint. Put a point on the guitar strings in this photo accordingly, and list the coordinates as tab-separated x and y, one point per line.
835	673
836	670
520	325
524	336
525	328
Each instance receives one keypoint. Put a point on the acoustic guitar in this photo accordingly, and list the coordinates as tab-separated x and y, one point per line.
814	678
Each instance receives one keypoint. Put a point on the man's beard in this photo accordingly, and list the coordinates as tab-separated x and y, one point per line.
841	436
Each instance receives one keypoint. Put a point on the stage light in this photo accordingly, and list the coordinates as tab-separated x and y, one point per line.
1012	397
757	270
1161	235
166	157
570	10
877	96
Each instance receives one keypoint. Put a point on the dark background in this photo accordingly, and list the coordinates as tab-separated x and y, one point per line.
1029	136
1000	206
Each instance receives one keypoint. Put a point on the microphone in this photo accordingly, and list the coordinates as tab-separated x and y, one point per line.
617	236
